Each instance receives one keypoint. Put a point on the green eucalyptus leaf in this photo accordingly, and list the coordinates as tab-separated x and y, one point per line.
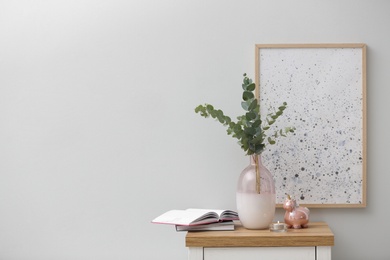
246	81
209	107
198	109
247	95
250	131
245	105
250	116
253	105
251	87
237	129
219	113
258	139
213	113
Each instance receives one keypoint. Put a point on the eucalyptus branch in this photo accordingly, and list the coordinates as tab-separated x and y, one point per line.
249	129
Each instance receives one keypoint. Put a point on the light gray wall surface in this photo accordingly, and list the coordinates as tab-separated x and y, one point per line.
98	133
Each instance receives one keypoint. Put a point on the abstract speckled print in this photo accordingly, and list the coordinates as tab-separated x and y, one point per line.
322	162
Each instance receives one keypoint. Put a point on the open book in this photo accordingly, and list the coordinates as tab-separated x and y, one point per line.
191	217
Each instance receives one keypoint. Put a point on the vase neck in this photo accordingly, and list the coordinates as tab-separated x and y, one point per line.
254	157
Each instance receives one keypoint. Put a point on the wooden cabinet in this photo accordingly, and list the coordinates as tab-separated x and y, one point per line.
312	243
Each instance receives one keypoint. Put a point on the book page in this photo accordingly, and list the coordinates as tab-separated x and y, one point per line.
175	217
188	217
199	212
222	214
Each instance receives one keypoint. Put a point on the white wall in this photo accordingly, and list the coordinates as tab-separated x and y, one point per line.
98	134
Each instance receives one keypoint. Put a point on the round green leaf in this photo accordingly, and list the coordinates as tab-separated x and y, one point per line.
253	105
247	95
245	105
251	87
250	116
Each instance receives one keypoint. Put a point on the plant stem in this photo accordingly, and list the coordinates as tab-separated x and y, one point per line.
257	174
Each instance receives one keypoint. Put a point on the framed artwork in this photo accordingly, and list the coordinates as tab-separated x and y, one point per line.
323	163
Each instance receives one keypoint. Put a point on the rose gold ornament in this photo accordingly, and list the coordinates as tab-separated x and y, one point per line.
295	216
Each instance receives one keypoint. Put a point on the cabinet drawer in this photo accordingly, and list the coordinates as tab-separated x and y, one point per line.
259	253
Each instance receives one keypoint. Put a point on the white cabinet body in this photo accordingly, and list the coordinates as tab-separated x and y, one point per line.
268	253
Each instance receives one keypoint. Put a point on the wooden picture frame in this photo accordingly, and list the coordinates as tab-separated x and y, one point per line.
323	164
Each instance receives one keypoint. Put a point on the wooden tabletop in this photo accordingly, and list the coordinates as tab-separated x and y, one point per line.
317	234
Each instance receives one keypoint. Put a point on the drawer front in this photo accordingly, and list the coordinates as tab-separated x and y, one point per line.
260	253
